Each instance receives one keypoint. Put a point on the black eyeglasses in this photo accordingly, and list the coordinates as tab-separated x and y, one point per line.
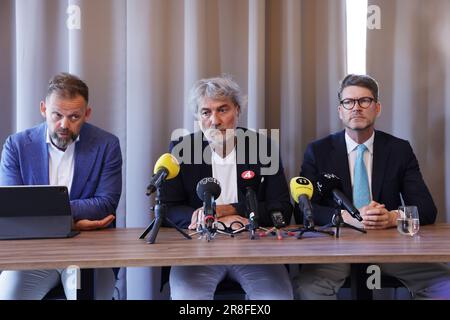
232	229
363	102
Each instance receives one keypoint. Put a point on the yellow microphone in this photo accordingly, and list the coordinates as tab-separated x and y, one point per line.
302	191
168	162
166	168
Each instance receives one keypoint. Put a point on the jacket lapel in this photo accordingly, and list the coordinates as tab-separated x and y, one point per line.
85	157
380	159
38	150
340	160
240	168
206	168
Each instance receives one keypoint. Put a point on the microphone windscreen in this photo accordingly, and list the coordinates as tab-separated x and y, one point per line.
250	179
168	162
327	182
299	186
210	185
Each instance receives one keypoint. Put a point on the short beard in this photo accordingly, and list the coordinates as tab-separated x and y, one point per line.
60	143
215	136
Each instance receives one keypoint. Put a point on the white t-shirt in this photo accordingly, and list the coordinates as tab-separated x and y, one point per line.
224	170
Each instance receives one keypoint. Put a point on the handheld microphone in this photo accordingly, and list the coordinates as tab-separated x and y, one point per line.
250	183
166	168
301	191
330	186
208	190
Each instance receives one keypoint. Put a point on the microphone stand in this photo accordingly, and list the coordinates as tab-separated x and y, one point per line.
210	231
309	227
252	226
278	231
160	210
337	222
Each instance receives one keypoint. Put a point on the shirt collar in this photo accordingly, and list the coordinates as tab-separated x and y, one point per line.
351	144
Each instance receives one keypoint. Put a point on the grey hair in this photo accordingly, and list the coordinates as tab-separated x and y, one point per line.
217	88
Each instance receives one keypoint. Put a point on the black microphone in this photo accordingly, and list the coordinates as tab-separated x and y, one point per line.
251	184
208	189
330	186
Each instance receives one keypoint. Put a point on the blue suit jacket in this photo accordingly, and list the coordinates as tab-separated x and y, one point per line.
97	179
181	196
395	171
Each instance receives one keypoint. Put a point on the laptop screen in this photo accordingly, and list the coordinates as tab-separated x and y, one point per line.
29	212
34	201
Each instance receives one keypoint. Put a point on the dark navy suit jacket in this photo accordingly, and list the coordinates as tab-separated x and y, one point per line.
97	179
180	193
395	171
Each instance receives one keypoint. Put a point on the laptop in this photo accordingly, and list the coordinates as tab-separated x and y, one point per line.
35	212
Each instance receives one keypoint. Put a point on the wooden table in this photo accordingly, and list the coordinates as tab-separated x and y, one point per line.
122	248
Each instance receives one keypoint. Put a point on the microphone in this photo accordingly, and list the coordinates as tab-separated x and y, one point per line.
166	168
330	186
208	189
250	183
301	191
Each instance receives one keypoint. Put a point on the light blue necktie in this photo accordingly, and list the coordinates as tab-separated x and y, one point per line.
361	191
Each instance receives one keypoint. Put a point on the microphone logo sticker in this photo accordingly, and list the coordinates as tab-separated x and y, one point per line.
330	176
302	181
247	175
209	180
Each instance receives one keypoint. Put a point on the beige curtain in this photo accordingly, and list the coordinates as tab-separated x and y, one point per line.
410	57
140	57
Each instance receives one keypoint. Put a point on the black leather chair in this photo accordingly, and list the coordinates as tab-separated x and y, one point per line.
229	290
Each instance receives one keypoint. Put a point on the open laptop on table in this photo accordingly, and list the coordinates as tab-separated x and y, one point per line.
33	212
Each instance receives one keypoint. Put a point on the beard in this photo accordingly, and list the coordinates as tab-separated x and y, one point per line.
217	137
63	143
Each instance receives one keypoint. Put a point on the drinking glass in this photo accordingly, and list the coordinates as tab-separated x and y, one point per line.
408	221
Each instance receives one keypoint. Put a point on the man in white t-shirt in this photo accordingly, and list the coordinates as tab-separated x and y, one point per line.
217	104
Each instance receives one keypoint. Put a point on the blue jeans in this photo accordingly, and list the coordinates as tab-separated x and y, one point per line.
35	284
260	282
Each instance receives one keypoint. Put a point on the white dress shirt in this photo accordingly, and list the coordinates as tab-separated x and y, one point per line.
61	164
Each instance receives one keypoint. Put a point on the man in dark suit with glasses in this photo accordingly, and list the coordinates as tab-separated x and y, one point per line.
376	170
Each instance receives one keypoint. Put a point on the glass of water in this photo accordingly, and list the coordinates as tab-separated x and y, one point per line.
408	221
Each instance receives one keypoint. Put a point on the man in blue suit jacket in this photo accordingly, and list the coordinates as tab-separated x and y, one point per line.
215	152
389	170
64	151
